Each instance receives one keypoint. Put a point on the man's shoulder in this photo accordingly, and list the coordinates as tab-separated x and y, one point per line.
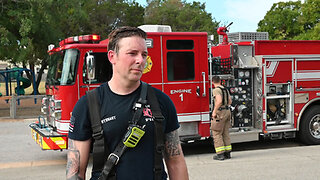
217	90
160	95
164	100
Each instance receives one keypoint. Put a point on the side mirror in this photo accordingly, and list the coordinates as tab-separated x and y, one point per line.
211	38
50	47
91	66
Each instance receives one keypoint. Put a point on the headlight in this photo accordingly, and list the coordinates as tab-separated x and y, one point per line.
44	109
55	108
56	114
55	104
44	103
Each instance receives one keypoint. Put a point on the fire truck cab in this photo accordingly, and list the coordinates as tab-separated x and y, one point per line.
275	85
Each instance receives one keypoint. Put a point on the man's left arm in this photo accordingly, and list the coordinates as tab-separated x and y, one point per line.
174	158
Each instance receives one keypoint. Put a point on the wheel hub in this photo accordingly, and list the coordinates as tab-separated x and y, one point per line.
315	126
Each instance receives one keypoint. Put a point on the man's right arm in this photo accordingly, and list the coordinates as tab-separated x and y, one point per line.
78	157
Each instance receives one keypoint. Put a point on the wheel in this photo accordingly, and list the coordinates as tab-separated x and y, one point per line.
310	126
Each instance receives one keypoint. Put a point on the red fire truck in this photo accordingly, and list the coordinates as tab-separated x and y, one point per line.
275	85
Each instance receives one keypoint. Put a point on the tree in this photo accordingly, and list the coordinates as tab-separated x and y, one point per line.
310	20
22	40
106	15
181	16
28	27
282	20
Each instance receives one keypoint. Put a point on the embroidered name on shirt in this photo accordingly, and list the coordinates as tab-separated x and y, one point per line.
108	119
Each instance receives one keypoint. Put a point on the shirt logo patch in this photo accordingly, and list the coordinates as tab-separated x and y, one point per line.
147	113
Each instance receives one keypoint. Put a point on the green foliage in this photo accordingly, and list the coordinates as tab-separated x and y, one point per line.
312	34
310	14
281	21
181	16
27	27
104	16
292	20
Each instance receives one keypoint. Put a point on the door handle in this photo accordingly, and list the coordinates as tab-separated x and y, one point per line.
204	84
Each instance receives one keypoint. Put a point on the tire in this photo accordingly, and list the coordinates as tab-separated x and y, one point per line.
309	132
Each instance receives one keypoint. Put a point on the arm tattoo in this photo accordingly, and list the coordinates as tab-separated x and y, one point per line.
73	164
172	144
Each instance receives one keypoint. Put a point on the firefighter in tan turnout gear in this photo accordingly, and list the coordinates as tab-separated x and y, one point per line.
220	121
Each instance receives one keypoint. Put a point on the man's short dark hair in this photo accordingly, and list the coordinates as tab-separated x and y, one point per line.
216	79
123	32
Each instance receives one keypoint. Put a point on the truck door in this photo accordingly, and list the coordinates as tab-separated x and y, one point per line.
278	91
102	71
185	80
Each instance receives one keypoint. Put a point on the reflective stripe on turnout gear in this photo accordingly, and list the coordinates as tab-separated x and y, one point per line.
223	148
219	149
228	148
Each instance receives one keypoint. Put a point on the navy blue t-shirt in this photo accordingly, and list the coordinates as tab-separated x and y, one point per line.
116	110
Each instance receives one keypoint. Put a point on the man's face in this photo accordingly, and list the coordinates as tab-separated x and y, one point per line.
130	60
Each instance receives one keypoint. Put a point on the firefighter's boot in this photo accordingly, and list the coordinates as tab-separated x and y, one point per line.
219	157
227	155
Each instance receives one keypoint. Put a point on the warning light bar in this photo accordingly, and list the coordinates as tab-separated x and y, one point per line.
80	39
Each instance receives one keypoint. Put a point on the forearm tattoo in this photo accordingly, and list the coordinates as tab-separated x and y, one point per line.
172	144
73	164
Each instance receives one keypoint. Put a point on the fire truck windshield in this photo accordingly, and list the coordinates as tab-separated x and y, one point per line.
62	67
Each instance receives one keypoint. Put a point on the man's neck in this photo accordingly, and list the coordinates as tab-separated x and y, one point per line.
123	88
217	85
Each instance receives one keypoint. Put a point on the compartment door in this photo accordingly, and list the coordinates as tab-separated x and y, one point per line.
278	92
307	74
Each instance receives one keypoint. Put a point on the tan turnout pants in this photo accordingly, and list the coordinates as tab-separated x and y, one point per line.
220	131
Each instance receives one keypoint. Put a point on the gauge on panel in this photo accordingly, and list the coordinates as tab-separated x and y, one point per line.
247	73
241	73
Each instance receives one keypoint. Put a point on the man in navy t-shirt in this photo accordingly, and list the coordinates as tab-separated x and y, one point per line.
127	53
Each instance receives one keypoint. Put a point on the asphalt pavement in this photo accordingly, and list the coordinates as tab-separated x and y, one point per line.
22	158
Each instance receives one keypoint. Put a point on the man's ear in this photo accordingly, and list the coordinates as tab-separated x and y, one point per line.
111	56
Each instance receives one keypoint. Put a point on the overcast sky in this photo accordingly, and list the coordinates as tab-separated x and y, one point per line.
245	14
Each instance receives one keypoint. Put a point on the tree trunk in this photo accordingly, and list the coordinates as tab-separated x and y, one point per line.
43	67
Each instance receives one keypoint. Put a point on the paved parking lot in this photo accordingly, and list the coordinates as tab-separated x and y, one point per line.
22	158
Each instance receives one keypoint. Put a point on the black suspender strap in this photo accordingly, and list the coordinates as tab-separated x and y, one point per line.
99	148
114	157
225	96
158	133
